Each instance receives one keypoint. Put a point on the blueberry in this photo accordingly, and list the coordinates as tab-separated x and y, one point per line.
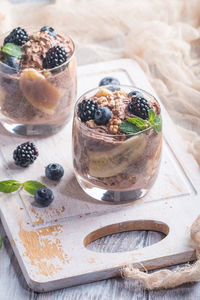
43	196
12	62
109	80
54	171
102	116
50	31
136	94
113	88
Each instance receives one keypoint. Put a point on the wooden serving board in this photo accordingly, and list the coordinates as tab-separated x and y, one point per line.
50	243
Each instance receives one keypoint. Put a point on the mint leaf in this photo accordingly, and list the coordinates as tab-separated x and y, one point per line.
9	186
157	123
0	242
32	186
129	128
139	122
12	50
152	115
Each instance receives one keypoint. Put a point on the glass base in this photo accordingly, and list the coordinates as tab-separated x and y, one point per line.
32	130
116	197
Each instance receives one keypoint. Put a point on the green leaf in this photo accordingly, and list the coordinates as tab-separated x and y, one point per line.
32	186
151	116
12	50
9	186
157	123
139	122
129	128
1	242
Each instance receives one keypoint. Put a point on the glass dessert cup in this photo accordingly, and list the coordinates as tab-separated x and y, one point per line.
37	102
115	167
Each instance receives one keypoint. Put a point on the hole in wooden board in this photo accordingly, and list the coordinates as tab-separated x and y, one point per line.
126	236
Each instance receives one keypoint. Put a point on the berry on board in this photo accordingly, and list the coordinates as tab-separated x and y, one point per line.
44	197
54	171
25	154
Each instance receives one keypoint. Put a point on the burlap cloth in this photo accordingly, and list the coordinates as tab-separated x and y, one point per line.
163	36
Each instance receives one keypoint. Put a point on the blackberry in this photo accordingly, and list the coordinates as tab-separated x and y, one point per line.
55	57
18	37
87	109
43	197
139	107
25	154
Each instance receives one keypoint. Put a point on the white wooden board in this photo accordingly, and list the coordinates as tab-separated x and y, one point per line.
50	243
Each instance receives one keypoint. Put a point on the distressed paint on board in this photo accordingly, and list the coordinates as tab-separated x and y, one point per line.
44	249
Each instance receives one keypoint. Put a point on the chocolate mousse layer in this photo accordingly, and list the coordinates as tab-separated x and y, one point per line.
107	156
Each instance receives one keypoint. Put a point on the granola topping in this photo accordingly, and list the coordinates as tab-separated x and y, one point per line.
36	48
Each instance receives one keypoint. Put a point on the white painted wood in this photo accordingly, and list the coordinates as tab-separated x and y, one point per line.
49	242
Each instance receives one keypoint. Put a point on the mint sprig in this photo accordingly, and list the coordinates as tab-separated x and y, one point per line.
12	50
1	242
155	121
139	122
135	125
151	115
30	186
9	186
128	127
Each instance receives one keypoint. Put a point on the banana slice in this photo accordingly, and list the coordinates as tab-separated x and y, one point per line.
38	91
112	162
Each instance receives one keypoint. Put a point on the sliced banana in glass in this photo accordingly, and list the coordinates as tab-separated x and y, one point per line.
112	162
38	91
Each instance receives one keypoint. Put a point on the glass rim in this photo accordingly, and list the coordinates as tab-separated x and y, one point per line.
39	71
82	124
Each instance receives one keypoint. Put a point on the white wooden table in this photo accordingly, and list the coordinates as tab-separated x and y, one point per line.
13	286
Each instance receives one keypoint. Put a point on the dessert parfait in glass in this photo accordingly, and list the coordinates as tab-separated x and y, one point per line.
37	80
117	141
